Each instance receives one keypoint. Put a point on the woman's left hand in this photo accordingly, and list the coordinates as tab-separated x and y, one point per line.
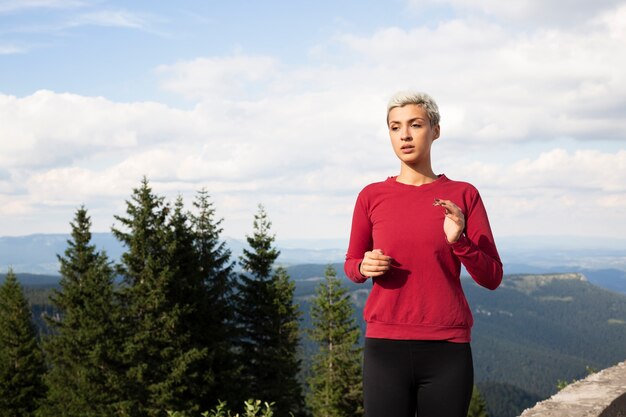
454	222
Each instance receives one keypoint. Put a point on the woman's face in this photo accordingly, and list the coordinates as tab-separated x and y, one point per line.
411	133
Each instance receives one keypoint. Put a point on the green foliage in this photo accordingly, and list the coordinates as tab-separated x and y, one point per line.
159	298
259	259
42	309
335	383
268	324
561	383
478	406
286	389
21	360
215	327
82	349
252	408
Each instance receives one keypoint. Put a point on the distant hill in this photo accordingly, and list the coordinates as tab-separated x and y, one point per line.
37	254
607	278
36	280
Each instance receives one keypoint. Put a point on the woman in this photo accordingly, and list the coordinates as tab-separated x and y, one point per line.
410	235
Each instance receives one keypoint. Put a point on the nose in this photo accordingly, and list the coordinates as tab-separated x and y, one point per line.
405	134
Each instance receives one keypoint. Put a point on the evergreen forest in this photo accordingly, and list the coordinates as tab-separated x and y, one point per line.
170	329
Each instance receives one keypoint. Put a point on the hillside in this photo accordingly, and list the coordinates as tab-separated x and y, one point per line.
531	332
538	329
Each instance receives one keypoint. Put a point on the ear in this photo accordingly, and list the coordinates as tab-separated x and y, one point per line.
437	132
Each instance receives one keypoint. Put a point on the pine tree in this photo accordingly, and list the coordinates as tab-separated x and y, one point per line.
215	328
286	365
21	359
268	323
478	406
335	384
161	360
82	350
188	295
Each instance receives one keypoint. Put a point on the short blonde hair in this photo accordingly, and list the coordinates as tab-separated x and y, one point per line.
402	98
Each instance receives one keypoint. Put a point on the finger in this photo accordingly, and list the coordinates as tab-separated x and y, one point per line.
374	269
380	258
446	203
378	254
450	207
375	262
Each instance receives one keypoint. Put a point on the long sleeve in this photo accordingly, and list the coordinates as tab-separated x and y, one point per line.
476	249
360	241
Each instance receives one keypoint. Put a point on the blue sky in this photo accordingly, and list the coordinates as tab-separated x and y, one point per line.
283	103
109	48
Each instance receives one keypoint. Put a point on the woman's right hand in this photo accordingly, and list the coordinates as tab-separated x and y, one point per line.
374	263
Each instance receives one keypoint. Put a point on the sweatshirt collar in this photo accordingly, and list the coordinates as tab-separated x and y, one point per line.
441	178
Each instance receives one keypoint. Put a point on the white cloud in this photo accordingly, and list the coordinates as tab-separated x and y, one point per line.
304	140
530	12
289	152
50	129
216	78
306	159
583	170
615	20
555	192
504	85
584	173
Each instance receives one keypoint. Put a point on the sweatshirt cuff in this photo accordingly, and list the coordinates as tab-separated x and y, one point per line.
353	272
462	243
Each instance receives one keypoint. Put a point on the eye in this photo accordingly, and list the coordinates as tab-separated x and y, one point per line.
416	125
393	128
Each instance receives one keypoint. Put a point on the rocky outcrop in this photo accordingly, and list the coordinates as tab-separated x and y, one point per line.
602	394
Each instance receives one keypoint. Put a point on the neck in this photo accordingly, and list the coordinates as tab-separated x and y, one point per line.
414	175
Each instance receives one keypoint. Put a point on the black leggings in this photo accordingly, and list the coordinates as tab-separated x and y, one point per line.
408	378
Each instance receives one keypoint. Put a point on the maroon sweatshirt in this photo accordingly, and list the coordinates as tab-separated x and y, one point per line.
420	297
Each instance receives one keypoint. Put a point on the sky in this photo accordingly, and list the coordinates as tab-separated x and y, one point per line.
283	103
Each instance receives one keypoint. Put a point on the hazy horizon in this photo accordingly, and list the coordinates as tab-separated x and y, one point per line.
37	253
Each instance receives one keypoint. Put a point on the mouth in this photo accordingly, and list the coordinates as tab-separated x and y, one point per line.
407	148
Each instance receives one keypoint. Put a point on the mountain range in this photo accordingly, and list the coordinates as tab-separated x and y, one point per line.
601	260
